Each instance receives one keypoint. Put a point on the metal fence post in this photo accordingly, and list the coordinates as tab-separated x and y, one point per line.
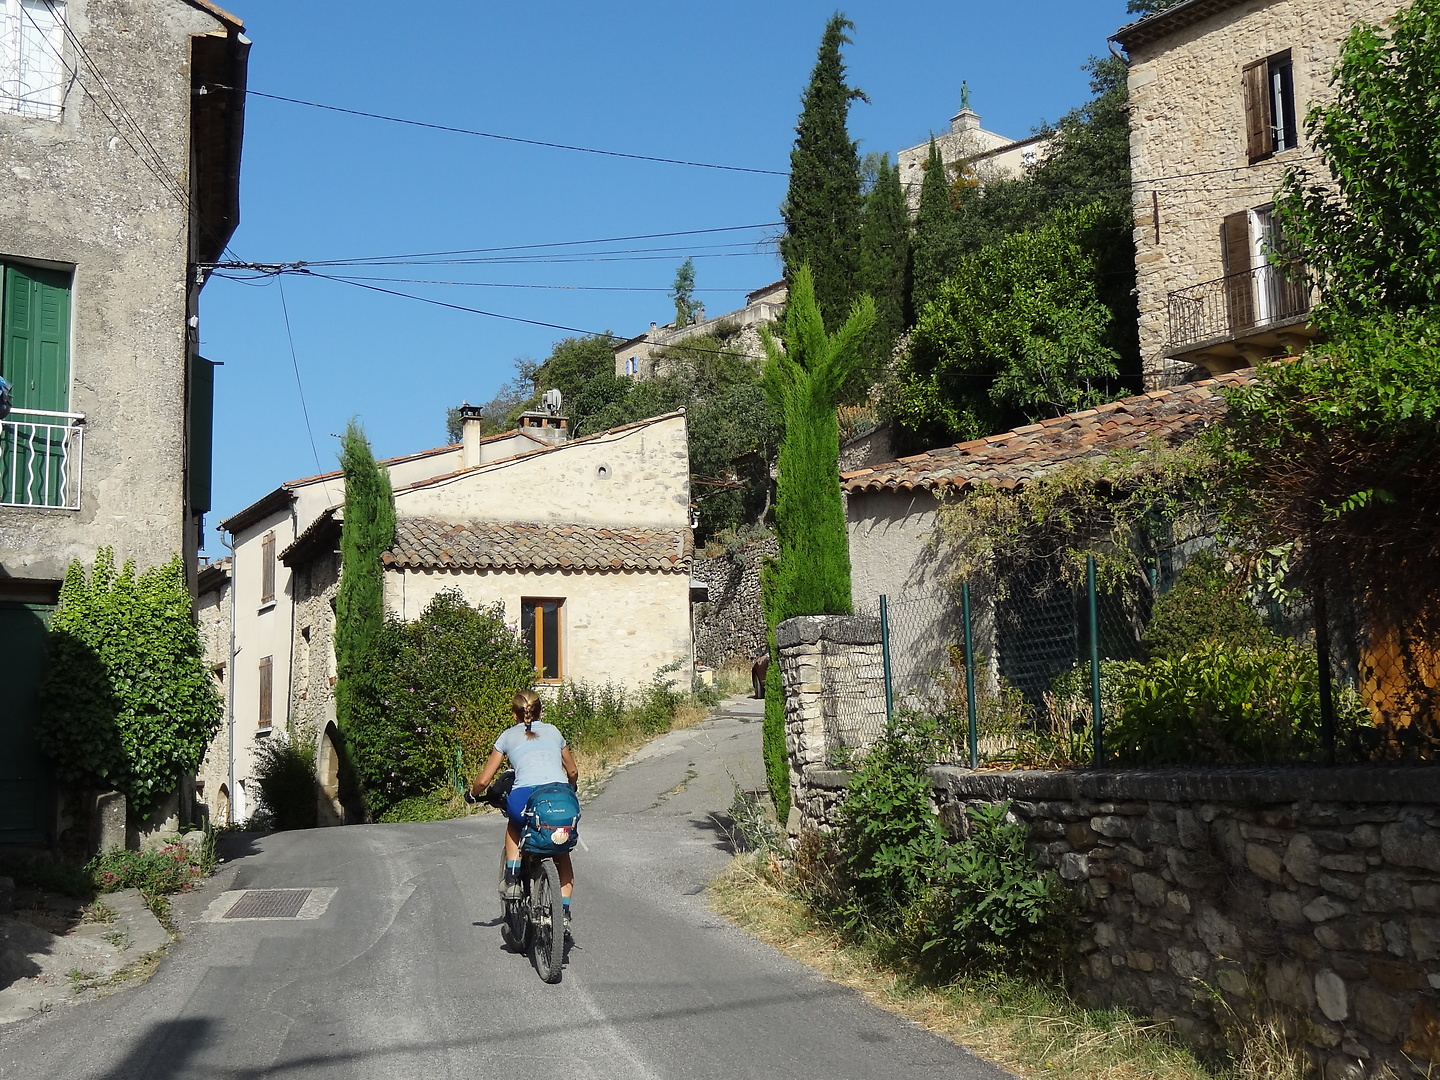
885	653
969	677
1322	657
1098	717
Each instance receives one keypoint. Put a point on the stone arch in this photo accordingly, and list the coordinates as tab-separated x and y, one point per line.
327	774
221	814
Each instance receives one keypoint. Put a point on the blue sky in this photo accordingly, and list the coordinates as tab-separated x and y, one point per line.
714	83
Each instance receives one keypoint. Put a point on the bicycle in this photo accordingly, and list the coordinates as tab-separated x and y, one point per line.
528	924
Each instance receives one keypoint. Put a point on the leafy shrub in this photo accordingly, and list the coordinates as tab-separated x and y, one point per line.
285	771
176	867
590	716
446	681
1207	603
441	804
1225	705
128	701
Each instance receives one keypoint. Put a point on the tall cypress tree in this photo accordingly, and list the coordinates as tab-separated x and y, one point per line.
368	529
823	204
811	576
885	259
936	249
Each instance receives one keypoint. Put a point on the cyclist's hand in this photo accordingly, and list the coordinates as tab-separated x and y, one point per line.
472	798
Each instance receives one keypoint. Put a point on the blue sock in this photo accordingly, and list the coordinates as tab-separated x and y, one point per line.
566	901
512	869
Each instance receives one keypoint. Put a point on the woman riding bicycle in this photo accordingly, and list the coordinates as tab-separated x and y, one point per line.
538	754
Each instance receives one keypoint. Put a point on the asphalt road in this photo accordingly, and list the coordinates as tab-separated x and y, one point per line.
404	976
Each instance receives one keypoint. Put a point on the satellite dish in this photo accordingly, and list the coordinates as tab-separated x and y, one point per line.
552	401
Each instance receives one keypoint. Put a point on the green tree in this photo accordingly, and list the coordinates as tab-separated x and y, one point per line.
823	203
128	701
1016	333
683	293
573	362
936	244
368	530
1370	232
885	260
1148	7
812	574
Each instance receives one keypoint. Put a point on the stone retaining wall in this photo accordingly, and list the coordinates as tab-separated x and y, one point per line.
732	622
1312	892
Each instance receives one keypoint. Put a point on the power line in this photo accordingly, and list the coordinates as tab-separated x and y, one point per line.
505	138
295	363
514	285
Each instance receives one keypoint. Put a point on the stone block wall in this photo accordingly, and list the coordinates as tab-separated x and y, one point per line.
833	675
732	622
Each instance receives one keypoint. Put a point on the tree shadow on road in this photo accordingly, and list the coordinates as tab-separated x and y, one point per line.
166	1052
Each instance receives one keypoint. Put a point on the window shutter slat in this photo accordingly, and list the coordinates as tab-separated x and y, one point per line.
1259	137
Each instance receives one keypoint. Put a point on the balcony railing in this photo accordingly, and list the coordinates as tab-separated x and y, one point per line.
40	459
1237	305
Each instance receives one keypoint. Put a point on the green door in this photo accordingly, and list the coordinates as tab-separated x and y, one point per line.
35	358
25	784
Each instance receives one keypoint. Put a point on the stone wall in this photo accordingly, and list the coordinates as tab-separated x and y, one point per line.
833	675
1312	893
732	622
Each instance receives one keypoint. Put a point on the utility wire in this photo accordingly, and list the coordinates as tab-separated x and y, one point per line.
506	138
295	363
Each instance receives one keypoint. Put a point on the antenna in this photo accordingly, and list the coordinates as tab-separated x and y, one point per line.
552	400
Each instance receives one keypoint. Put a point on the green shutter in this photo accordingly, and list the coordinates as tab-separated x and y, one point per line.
26	789
35	355
202	431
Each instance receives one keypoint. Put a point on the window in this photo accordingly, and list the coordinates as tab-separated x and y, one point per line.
1270	107
267	691
267	568
632	366
1258	291
35	358
32	75
540	626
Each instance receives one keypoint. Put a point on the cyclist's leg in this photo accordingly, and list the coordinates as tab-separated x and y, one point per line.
512	841
567	874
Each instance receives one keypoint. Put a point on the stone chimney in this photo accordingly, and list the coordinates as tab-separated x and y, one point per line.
472	420
965	120
543	424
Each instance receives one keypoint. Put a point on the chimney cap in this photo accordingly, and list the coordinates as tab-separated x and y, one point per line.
471	412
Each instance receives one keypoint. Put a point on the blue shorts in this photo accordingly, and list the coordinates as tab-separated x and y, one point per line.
515	802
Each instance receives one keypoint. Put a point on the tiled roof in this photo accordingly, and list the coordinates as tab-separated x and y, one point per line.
427	544
1014	457
1167	21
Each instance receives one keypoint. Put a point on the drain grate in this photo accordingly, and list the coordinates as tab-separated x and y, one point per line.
269	904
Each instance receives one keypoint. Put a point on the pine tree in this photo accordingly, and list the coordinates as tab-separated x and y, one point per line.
935	246
811	576
368	529
683	293
885	260
823	204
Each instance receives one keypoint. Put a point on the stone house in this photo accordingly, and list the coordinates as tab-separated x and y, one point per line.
968	149
892	513
644	356
585	542
1219	90
122	157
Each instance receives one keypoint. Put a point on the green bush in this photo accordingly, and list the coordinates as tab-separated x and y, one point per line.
170	869
441	804
590	716
1208	602
1221	704
128	701
289	790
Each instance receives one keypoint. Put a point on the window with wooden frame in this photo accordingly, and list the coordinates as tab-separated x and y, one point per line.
1270	120
267	568
267	691
1258	289
541	626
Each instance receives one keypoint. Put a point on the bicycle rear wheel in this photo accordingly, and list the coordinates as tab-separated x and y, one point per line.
547	921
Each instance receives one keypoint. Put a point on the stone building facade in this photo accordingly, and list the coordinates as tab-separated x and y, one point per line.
969	151
644	356
1218	95
121	185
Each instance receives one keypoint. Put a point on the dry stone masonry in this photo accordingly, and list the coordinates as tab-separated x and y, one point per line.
732	622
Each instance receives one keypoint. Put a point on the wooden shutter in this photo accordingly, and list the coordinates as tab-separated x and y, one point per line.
1239	276
267	691
35	353
1259	128
202	432
267	568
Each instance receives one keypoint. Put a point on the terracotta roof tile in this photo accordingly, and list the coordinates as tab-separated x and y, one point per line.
427	544
1014	457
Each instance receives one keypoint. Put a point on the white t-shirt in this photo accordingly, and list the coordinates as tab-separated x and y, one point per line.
536	761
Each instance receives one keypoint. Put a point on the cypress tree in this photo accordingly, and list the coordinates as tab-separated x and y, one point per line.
811	576
885	259
823	204
368	530
935	250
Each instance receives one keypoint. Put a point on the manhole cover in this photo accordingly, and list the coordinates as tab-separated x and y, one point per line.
269	904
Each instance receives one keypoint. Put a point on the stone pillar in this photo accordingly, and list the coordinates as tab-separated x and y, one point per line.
832	674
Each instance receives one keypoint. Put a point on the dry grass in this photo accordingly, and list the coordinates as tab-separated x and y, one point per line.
1031	1030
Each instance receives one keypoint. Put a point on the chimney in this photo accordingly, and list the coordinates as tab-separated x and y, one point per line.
965	120
472	420
546	422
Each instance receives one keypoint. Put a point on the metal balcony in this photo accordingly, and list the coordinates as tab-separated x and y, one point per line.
40	459
1236	308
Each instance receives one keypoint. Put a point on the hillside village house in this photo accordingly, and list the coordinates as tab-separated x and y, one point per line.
121	184
586	543
644	356
1218	95
985	155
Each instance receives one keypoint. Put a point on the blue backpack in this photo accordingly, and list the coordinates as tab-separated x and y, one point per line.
550	824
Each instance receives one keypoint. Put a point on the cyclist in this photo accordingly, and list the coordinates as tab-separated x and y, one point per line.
538	754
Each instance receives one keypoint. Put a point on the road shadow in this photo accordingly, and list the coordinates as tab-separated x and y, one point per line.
721	829
230	846
165	1052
